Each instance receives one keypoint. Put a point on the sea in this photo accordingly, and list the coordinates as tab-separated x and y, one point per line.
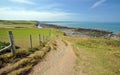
112	27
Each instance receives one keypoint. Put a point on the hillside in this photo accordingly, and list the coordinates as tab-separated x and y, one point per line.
55	53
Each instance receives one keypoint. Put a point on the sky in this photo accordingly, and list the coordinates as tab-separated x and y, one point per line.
61	10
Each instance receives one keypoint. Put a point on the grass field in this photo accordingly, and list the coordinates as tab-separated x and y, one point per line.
21	32
17	24
96	56
21	35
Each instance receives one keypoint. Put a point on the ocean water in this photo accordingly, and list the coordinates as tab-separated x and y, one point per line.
114	27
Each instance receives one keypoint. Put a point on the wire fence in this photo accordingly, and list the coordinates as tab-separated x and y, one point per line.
42	39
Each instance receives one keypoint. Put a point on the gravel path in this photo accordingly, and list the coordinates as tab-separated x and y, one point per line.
57	62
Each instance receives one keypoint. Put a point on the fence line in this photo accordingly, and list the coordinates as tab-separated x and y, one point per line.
13	49
31	41
42	40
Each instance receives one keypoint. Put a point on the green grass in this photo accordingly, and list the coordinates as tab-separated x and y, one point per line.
21	32
21	36
96	56
3	44
17	24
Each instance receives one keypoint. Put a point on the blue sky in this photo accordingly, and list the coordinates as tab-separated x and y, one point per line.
61	10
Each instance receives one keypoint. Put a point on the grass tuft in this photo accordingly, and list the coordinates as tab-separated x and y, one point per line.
66	44
32	59
21	71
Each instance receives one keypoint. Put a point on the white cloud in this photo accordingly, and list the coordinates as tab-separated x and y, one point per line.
49	7
99	2
22	14
23	1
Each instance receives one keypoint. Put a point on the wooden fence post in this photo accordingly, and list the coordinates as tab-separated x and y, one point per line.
50	33
43	43
31	41
40	41
43	38
47	37
13	49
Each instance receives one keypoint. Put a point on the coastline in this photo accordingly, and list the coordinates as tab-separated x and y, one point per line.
78	32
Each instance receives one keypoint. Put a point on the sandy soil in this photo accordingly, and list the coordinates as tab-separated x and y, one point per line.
57	62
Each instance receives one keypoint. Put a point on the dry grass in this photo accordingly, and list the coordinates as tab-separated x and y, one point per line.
96	56
15	66
39	54
53	45
32	59
9	58
21	71
66	44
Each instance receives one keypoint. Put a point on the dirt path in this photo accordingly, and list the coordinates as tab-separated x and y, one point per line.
57	62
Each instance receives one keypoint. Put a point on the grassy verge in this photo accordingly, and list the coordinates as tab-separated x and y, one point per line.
96	56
